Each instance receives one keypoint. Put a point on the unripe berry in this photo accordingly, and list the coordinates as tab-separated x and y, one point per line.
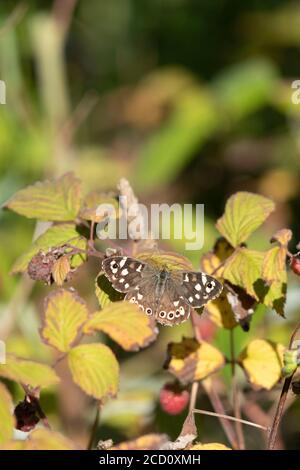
173	398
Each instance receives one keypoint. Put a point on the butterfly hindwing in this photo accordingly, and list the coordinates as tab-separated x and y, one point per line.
123	272
172	308
200	288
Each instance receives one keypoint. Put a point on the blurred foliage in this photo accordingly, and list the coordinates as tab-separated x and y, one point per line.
191	101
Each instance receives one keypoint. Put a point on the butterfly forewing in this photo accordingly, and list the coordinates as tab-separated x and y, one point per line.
123	272
200	288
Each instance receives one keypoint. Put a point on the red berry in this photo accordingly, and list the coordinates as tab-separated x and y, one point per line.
173	398
295	265
207	329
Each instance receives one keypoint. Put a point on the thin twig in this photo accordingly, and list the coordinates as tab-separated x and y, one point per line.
193	399
282	400
230	418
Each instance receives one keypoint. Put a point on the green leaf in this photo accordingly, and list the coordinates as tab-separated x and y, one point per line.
26	372
56	200
6	417
244	213
94	369
64	315
55	236
243	268
91	203
125	324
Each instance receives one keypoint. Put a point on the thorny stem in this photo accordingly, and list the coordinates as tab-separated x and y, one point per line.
235	396
94	428
282	399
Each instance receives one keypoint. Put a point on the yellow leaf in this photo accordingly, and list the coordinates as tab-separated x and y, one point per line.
274	268
27	372
220	312
44	439
244	269
171	261
125	324
55	236
95	369
57	200
244	213
146	442
210	446
60	270
64	315
6	417
282	236
190	360
262	361
91	203
13	445
211	261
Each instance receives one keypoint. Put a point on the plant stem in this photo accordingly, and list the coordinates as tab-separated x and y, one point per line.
230	418
94	428
282	399
235	395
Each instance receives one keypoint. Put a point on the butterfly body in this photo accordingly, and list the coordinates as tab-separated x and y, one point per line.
167	295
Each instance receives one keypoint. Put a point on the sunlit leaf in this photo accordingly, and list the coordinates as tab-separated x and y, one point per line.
94	369
244	269
44	439
57	200
190	360
60	270
209	446
146	442
91	203
212	261
64	315
28	372
274	266
171	261
125	324
6	417
262	361
55	236
244	213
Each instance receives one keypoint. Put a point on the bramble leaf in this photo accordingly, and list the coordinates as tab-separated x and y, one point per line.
125	324
146	442
94	369
29	373
6	418
44	439
244	213
244	269
169	260
274	266
209	446
262	361
64	315
212	261
56	200
91	203
55	236
220	312
189	360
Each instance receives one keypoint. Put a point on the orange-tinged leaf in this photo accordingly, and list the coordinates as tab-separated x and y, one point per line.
244	213
94	369
146	442
30	373
244	269
125	324
262	361
209	446
57	200
282	236
60	270
44	439
190	360
274	267
55	236
13	445
6	417
65	313
91	203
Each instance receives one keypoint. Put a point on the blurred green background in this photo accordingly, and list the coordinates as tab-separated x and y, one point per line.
188	99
